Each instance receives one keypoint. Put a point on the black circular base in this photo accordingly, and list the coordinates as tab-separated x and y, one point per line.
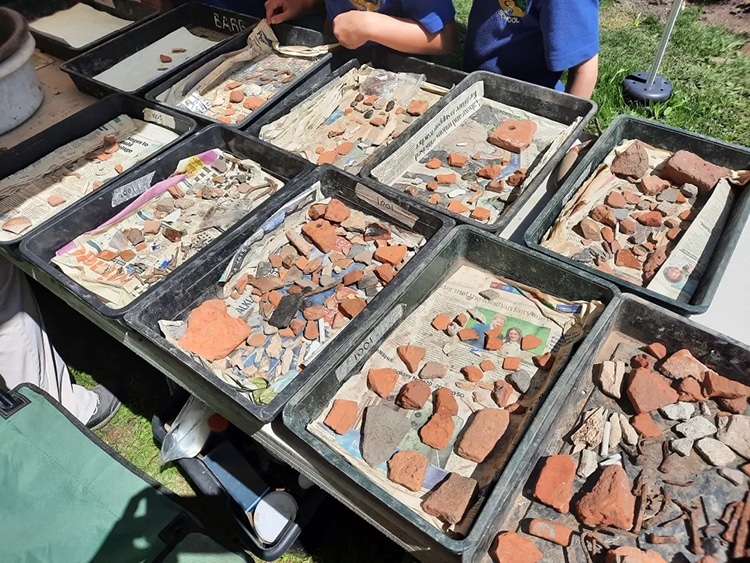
634	88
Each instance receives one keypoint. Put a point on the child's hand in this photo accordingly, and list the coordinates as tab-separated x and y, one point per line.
350	28
278	11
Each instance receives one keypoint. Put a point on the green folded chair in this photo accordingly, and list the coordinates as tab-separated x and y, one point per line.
66	497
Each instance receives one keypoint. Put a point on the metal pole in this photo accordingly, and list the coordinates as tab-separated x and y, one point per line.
664	42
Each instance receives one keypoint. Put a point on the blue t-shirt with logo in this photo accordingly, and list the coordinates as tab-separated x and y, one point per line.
532	40
433	15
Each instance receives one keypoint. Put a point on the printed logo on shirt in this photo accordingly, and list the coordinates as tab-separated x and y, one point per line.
512	10
371	5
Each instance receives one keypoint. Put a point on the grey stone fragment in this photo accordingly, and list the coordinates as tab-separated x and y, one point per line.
489	294
220	165
433	370
669	195
287	309
382	430
681	446
734	476
643	205
696	428
621	213
736	434
520	380
263	269
714	452
689	190
678	411
584	257
587	464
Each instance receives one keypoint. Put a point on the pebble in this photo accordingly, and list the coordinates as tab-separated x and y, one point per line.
669	195
520	380
689	190
587	464
584	257
735	476
736	434
696	428
682	446
714	452
678	411
457	192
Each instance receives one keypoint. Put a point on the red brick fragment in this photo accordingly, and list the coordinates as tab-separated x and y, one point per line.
417	107
352	307
451	499
683	364
457	160
554	487
336	211
685	167
438	431
645	425
648	391
610	502
385	273
510	547
440	322
716	385
472	373
483	433
382	381
407	468
444	402
411	356
529	342
616	200
434	163
413	395
321	233
511	363
657	350
391	254
481	214
514	135
551	531
457	207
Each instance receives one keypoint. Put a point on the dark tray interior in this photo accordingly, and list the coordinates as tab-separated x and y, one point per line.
287	35
631	318
540	101
222	24
672	139
464	245
194	285
40	248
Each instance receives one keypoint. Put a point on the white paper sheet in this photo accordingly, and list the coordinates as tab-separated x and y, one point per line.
80	25
142	67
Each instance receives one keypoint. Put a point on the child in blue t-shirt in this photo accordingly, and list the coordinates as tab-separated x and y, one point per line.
419	27
535	41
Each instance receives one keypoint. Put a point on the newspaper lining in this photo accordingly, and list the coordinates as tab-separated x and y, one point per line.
518	310
75	170
174	219
462	127
334	116
264	73
687	257
263	372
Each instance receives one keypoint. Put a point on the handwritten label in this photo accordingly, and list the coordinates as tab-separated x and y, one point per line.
227	23
366	348
386	205
132	189
159	118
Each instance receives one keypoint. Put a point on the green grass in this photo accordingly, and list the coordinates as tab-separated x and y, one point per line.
711	77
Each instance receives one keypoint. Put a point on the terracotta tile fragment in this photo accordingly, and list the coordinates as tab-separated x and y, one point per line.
451	499
472	373
321	233
344	148
511	363
435	199
445	402
211	332
467	334
236	96
342	416
352	307
382	381
457	207
253	102
486	365
510	547
438	431
610	502
417	107
490	171
311	330
529	342
513	135
480	214
554	486
391	254
55	200
411	356
441	322
446	179
457	160
407	468
385	273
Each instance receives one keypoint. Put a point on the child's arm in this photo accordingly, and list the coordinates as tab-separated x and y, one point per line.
582	77
278	11
355	28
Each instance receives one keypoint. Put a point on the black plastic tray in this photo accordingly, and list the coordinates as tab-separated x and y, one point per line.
376	57
634	318
34	9
231	514
65	227
287	35
76	126
464	245
544	102
83	68
672	139
192	286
